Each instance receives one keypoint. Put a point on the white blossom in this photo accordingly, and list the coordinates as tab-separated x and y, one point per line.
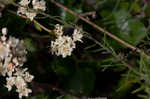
77	36
58	30
28	77
20	72
22	10
31	15
4	50
20	82
13	41
12	57
10	82
4	31
3	38
24	2
39	5
26	10
64	45
23	91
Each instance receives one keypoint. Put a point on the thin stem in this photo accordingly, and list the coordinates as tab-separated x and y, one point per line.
44	28
36	22
117	57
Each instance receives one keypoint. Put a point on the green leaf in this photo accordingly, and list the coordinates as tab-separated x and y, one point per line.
37	27
138	89
128	29
28	21
30	46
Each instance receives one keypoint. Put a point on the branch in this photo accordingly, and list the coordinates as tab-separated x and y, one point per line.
41	26
101	29
92	13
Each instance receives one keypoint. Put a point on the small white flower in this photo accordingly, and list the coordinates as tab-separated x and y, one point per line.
4	51
64	45
10	82
20	82
39	5
23	92
20	72
22	10
13	41
58	30
31	15
3	38
65	51
24	2
7	61
77	36
4	31
34	2
15	61
28	77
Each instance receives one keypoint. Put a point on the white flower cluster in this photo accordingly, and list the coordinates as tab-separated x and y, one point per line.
64	45
36	5
12	57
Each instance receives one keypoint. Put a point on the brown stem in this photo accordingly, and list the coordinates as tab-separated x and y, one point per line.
92	13
41	26
101	29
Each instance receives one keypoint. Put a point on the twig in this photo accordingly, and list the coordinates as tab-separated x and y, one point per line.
44	28
102	30
41	26
86	14
92	13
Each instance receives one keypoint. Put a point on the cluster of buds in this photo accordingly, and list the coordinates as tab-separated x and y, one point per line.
64	45
36	5
12	57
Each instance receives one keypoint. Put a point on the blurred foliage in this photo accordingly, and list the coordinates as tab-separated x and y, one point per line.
92	71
